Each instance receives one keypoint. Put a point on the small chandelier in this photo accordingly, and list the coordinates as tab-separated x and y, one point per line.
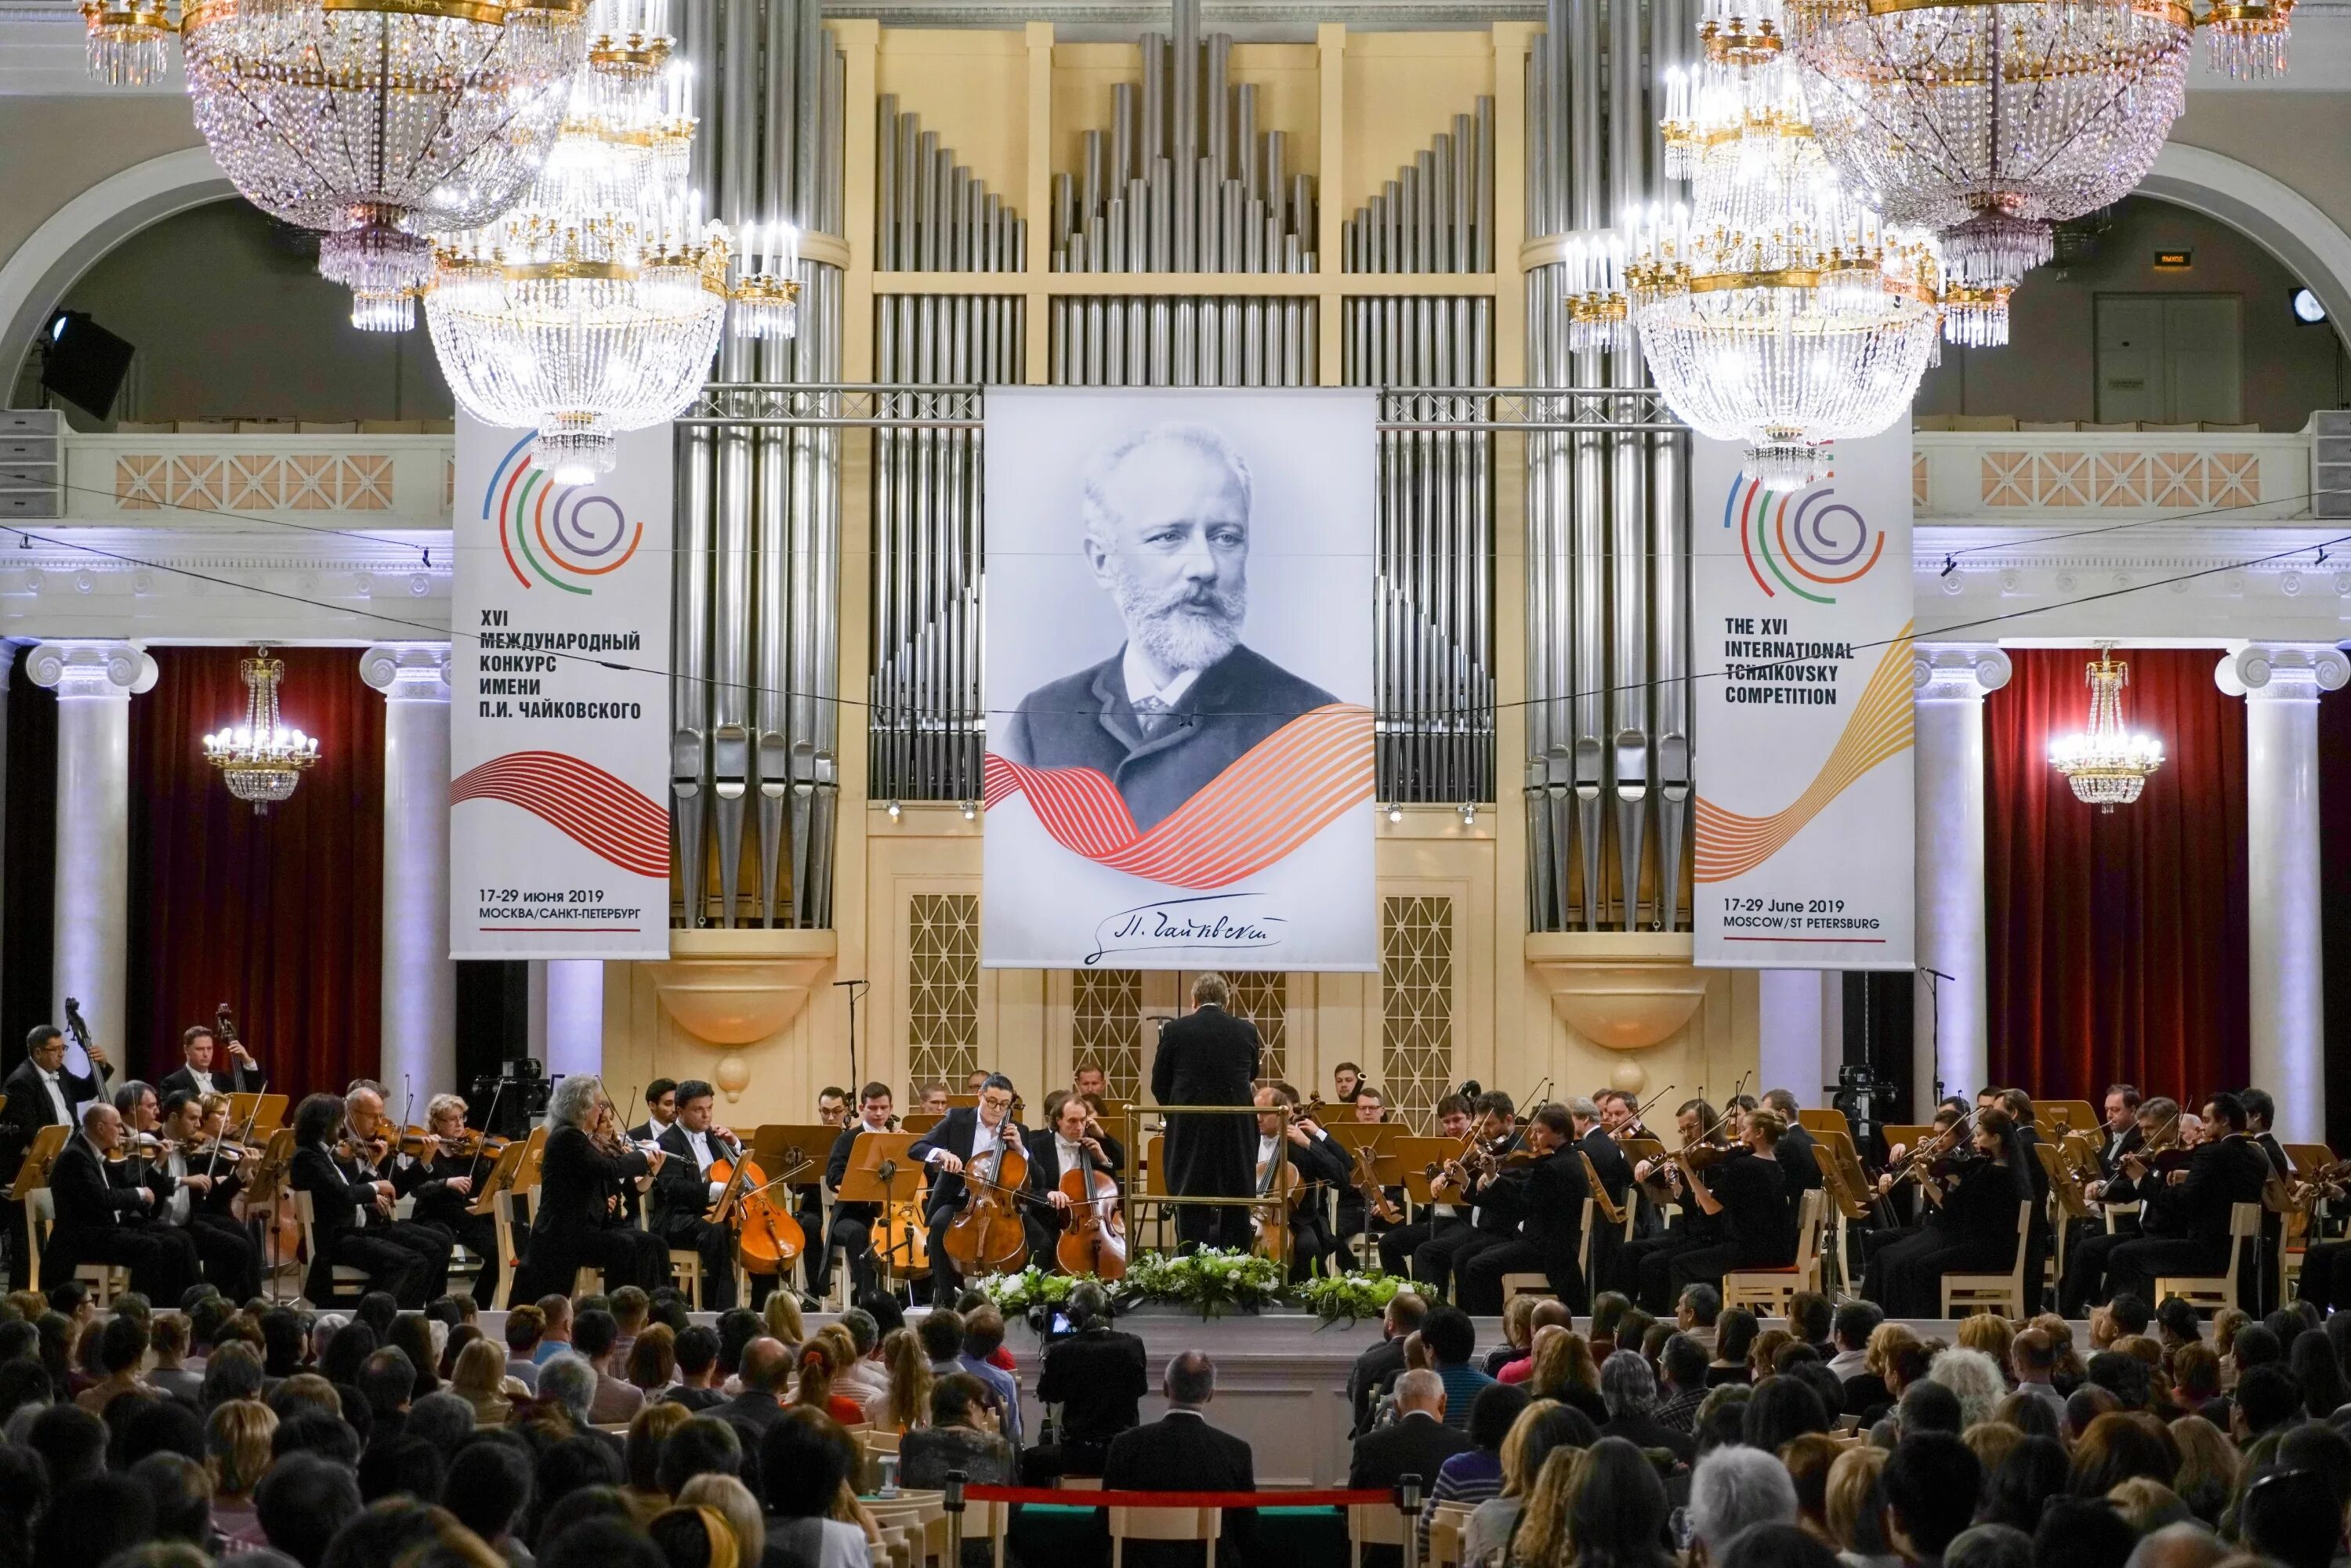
261	760
2107	765
1775	309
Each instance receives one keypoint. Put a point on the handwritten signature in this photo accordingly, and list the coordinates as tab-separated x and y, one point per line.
1231	920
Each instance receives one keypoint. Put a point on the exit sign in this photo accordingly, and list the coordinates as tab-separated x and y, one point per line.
2174	260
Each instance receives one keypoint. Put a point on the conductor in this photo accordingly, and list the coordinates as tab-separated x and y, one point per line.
1210	1057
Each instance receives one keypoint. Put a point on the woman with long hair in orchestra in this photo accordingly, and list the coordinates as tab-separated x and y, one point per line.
586	1161
1972	1231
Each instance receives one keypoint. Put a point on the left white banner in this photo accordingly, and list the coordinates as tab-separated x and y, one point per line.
559	788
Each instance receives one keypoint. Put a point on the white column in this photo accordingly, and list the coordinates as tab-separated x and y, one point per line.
567	1015
1788	1005
94	682
2284	947
1951	681
420	981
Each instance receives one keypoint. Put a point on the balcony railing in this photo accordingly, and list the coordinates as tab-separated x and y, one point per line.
2003	475
178	480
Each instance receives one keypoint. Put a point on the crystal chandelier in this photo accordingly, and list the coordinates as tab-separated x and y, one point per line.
1774	309
376	122
1992	123
2107	765
261	760
594	305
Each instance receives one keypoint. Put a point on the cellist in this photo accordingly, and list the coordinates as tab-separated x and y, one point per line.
966	1145
684	1192
1069	1140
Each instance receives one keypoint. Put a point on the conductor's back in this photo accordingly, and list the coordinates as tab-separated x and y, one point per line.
1209	1058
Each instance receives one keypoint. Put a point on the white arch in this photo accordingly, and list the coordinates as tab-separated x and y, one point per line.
73	237
2268	211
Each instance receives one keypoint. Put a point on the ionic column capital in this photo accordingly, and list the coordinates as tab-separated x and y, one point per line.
84	669
1956	672
2282	671
408	672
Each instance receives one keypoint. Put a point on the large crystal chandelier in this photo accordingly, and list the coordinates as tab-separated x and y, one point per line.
376	122
594	305
1992	123
261	760
2107	765
1774	309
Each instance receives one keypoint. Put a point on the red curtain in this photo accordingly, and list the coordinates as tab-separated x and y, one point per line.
279	916
2117	940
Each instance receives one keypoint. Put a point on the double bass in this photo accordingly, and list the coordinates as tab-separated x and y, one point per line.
987	1236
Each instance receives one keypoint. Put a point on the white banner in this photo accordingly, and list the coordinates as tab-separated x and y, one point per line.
559	761
1801	610
1179	680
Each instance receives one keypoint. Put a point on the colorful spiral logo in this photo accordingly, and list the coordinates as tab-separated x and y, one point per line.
1801	537
558	531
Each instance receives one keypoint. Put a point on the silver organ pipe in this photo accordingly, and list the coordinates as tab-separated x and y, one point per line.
757	572
1608	723
933	215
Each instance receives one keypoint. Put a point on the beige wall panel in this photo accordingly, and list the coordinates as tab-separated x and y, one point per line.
1288	80
969	86
1401	91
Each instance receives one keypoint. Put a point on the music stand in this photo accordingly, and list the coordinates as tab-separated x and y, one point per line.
272	1111
1414	1156
916	1122
501	1176
863	1181
266	1187
33	1170
780	1146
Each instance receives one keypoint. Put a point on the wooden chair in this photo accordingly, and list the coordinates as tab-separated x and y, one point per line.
1164	1524
2213	1292
1374	1524
338	1275
1766	1291
992	1522
685	1270
106	1280
1515	1285
502	1220
1966	1293
1446	1522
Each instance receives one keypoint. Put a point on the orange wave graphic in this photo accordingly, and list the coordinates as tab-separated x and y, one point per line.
1730	845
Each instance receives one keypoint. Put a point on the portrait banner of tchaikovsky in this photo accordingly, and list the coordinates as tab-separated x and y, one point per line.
1178	681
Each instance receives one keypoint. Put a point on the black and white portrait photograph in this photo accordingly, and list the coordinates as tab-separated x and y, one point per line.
1179	677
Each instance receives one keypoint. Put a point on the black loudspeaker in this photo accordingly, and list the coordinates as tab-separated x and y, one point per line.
83	362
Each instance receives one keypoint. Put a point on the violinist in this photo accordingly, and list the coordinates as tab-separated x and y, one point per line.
2261	1113
200	1061
1663	1181
1491	1136
1070	1139
2228	1168
1795	1151
585	1163
445	1178
373	1154
343	1199
198	1198
965	1146
2019	1107
1973	1229
1744	1196
2160	1129
852	1223
1543	1200
105	1216
1903	1162
1439	1220
684	1192
1319	1163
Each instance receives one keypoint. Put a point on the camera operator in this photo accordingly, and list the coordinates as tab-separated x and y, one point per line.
1097	1375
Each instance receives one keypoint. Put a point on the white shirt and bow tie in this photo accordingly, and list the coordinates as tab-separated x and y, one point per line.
56	1086
1072	1156
703	1156
1154	704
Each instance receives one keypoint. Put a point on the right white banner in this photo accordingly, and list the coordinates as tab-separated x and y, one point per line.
1801	640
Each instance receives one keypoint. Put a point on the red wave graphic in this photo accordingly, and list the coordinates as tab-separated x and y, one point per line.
1282	792
595	808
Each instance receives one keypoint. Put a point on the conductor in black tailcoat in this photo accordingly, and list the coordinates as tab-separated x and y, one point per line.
1210	1057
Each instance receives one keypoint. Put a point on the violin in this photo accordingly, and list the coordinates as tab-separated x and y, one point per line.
987	1236
1094	1242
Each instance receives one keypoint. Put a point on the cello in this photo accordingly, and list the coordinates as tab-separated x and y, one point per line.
987	1236
767	1237
1094	1242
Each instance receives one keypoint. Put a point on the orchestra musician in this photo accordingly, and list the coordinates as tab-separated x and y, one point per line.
376	1156
41	1093
2158	1124
684	1192
808	1196
1399	1243
2260	1111
1319	1161
1798	1164
2125	1127
583	1168
1070	1139
1616	1174
2228	1168
852	1223
935	1100
1543	1200
445	1183
1346	1081
966	1143
2019	1107
1973	1230
661	1111
345	1194
183	1192
106	1214
1091	1082
1745	1196
1494	1135
1620	1118
1662	1181
199	1050
1207	1057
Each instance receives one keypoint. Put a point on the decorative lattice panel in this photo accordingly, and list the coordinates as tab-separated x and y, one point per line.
1417	1005
1263	997
1106	1026
943	977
